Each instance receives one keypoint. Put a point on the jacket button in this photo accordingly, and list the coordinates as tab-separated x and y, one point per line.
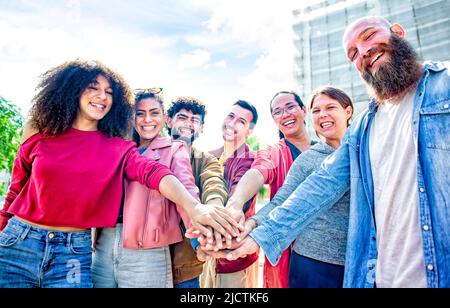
51	235
430	267
426	228
446	106
422	190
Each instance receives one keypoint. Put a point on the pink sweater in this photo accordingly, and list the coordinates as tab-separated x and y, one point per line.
76	179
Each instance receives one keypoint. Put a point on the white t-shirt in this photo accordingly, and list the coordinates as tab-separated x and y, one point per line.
393	155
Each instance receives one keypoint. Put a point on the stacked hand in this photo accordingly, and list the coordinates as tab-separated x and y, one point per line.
206	218
231	248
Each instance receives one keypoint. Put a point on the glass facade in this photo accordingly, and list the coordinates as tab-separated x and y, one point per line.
319	28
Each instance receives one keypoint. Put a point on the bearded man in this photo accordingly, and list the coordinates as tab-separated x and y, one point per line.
395	161
185	119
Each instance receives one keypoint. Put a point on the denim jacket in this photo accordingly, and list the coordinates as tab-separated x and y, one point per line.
350	166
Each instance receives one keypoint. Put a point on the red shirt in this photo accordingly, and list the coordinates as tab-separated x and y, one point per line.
234	169
76	179
274	164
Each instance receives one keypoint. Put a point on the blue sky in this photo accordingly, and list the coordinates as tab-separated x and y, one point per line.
217	51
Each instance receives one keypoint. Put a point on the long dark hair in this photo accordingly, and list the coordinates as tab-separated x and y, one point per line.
139	97
56	105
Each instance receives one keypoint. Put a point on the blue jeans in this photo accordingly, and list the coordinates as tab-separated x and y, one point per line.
117	267
189	284
31	257
309	273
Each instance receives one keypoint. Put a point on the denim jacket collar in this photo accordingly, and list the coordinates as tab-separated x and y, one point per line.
434	66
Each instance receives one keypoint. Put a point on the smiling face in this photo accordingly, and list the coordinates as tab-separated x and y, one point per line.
149	120
330	118
95	101
384	59
185	125
367	43
237	125
288	115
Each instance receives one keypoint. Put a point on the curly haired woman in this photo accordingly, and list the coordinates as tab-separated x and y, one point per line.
69	177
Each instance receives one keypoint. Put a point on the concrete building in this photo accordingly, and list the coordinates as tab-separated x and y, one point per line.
319	28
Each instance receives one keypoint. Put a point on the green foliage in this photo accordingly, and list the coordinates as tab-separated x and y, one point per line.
3	188
254	143
165	132
11	123
264	193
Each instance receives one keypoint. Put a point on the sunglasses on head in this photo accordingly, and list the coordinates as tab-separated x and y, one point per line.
155	91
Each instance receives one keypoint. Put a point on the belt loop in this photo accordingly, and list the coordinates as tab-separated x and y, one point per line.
69	238
25	233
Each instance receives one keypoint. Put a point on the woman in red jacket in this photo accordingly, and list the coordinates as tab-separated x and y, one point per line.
136	252
68	178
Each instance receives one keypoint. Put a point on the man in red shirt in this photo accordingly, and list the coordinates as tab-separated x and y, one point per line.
236	158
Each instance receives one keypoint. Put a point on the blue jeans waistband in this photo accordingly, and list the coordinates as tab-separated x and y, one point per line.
39	233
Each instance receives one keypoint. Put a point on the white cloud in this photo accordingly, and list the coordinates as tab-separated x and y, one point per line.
199	58
41	37
29	49
252	27
246	22
220	64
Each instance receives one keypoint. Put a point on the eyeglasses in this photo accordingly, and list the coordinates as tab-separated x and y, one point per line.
290	109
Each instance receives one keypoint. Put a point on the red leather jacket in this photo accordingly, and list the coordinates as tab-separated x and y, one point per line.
150	220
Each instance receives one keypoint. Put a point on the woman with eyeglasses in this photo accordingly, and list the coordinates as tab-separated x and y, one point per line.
318	254
69	177
271	167
136	252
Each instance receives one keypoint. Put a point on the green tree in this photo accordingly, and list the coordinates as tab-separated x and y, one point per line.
255	144
11	122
